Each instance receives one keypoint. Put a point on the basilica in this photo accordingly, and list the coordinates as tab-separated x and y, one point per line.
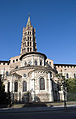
31	75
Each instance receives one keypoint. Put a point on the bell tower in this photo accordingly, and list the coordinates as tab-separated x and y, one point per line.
28	40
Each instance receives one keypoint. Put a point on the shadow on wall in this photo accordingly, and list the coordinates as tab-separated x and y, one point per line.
56	88
27	101
31	97
27	98
36	99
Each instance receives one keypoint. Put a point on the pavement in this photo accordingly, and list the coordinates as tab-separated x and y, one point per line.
38	109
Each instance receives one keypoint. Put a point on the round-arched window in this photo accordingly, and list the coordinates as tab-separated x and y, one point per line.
25	63
24	86
40	62
42	84
35	62
74	75
16	86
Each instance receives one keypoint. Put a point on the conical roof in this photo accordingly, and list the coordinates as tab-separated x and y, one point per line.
28	22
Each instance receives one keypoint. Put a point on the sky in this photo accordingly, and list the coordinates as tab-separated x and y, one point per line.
55	24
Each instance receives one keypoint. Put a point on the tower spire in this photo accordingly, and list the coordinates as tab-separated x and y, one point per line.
28	22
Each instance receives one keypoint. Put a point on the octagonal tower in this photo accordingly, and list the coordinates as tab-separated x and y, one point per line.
28	40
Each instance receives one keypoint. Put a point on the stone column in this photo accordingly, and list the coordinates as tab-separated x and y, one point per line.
32	86
50	88
43	62
10	86
45	83
6	87
38	61
18	91
22	63
32	60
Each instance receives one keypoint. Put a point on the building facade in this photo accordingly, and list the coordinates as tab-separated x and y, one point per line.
31	76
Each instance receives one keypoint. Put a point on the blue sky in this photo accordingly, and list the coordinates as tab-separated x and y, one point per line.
54	21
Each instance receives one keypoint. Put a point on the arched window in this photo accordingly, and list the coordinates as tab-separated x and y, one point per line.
6	73
74	75
30	49
25	63
40	62
8	86
24	86
16	86
35	62
67	75
42	84
51	74
28	38
27	43
27	49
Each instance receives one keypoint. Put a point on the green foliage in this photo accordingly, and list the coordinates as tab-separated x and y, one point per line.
59	75
4	97
71	85
71	96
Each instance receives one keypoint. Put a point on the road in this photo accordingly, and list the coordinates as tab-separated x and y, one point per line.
39	115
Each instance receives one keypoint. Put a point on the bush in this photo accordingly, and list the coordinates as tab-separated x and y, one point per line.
4	97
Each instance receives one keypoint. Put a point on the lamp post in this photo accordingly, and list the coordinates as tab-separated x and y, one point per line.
64	92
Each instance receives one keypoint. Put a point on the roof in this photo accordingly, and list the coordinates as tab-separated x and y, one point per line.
33	53
4	61
65	64
28	22
14	73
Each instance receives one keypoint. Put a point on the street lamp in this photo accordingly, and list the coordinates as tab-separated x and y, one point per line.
64	92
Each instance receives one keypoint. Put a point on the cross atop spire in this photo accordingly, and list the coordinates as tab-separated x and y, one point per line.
28	22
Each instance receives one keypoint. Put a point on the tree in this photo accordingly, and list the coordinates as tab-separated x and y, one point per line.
71	85
4	97
71	88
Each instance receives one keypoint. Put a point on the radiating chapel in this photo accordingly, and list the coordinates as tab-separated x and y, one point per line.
31	75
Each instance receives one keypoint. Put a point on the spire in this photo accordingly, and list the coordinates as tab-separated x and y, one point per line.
28	22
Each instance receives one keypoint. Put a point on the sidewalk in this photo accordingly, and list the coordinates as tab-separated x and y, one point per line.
37	109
